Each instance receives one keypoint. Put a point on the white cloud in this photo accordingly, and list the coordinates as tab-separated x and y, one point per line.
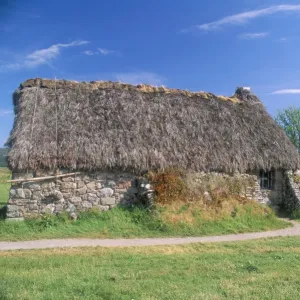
105	51
253	36
102	51
245	17
5	112
41	56
140	78
89	52
45	56
287	91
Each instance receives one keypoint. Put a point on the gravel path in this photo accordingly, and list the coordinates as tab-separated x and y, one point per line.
65	243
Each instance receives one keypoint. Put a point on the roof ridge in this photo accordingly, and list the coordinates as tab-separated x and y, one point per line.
144	88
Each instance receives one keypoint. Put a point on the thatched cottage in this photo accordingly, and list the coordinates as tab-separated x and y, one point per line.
107	134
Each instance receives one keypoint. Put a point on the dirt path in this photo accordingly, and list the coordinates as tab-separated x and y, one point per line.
66	243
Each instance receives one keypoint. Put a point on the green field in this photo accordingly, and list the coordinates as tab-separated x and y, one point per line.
4	187
263	269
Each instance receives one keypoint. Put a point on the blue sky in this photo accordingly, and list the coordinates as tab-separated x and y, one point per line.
204	45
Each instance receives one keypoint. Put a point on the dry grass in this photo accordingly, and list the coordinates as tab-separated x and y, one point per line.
193	199
198	212
106	125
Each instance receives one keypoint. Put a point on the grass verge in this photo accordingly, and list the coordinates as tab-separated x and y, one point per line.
163	222
263	269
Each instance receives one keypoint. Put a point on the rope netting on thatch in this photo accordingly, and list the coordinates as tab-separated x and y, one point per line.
106	125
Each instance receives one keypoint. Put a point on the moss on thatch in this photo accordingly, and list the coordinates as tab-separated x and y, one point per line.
108	125
96	85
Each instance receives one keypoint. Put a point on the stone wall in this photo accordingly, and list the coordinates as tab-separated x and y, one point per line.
250	190
291	199
99	190
105	190
273	196
254	192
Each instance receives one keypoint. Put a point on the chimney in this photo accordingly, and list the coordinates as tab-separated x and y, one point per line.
244	93
243	90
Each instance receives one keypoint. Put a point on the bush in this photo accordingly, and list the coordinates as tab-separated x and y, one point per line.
295	214
168	185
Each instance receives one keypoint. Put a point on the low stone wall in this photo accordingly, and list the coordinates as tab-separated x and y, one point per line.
105	190
291	199
254	192
250	190
77	193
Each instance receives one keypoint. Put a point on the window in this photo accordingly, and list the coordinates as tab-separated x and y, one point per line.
267	180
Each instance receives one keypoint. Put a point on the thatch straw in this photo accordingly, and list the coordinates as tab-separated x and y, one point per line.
106	125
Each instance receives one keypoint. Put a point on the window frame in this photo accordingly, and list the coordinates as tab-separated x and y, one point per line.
267	179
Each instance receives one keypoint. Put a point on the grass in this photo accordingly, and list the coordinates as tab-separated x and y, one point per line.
4	187
263	269
164	222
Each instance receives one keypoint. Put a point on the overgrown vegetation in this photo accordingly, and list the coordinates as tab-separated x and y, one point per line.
289	120
169	186
261	269
210	190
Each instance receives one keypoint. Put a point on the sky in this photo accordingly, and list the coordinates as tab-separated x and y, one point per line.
212	46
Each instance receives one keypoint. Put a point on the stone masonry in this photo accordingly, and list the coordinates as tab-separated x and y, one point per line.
292	191
252	190
99	190
105	190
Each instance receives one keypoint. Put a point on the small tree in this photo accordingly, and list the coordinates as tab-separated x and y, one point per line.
3	157
289	120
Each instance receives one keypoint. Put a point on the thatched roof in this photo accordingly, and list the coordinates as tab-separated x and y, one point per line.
106	125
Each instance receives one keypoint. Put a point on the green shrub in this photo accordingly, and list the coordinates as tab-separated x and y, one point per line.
63	217
295	214
234	212
43	221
